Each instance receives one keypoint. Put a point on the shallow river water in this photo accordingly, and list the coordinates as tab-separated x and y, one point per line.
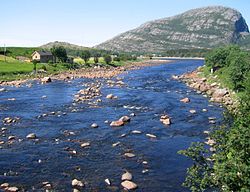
149	93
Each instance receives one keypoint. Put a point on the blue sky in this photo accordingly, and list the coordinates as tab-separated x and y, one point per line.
88	22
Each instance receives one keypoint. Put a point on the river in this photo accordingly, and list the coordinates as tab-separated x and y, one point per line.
149	93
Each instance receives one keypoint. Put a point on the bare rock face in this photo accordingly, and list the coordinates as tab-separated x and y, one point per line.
205	27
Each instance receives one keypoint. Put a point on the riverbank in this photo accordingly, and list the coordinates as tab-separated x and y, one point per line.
92	72
209	85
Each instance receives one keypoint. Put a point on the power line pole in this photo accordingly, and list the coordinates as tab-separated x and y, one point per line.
4	53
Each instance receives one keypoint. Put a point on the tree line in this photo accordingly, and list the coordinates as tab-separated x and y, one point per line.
227	168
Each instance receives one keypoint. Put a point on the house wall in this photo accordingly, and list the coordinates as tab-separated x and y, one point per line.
36	56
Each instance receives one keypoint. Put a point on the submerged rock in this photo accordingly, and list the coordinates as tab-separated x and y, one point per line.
124	119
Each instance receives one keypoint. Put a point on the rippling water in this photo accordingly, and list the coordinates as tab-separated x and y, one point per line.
150	92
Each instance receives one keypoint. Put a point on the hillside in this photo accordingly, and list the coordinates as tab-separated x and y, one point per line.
64	44
198	28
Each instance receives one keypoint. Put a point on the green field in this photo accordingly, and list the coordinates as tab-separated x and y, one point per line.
12	69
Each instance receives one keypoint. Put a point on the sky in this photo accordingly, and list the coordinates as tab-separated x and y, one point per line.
28	23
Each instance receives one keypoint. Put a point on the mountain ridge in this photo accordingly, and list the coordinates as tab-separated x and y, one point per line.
205	27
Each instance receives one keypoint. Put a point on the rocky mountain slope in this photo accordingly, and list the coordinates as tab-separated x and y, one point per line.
198	28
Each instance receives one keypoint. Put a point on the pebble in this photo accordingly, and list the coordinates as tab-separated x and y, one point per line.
94	125
126	176
77	183
130	155
150	135
12	189
31	136
116	144
4	185
124	119
193	111
165	119
129	185
85	144
12	137
144	162
136	132
185	100
107	181
110	96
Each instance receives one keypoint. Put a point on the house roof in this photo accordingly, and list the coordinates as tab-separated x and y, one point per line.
43	53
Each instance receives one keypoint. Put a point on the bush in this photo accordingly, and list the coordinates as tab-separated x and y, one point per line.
107	59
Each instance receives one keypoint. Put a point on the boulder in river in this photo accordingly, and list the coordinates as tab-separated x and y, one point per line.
31	136
185	100
130	155
124	119
116	123
94	125
165	119
77	183
129	185
110	96
126	176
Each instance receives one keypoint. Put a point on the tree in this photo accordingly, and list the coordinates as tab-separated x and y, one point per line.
34	65
96	57
107	59
60	53
85	55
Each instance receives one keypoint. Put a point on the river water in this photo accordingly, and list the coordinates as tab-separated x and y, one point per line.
149	93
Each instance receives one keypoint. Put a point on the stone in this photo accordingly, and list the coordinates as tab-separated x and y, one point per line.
4	185
132	115
94	125
46	80
219	93
116	123
144	162
12	189
2	89
77	183
116	144
107	181
210	142
151	135
165	119
129	185
83	145
124	119
136	132
110	96
31	136
145	170
126	176
185	100
193	111
12	137
130	155
204	110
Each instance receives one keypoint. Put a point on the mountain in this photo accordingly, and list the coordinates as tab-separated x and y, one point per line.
64	44
205	27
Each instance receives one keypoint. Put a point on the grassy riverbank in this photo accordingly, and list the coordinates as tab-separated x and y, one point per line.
12	69
222	163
